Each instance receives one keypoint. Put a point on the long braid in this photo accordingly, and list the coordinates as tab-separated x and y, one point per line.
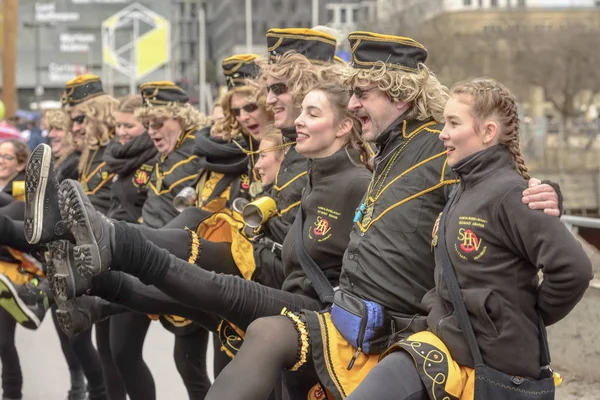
491	98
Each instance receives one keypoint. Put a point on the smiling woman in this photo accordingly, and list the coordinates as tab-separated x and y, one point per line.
13	156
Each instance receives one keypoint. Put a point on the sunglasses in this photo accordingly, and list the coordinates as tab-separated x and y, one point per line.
250	107
358	92
79	119
155	125
277	88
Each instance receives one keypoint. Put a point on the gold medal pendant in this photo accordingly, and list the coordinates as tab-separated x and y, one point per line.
159	182
368	214
255	188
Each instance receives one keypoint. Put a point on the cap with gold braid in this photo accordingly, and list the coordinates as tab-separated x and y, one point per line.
318	47
82	88
240	67
162	93
372	50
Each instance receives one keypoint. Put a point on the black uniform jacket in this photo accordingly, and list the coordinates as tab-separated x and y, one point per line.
286	191
170	174
129	187
389	258
497	245
96	179
333	192
69	168
226	165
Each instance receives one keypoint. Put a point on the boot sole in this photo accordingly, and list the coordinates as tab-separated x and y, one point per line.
59	270
60	275
74	212
15	306
36	180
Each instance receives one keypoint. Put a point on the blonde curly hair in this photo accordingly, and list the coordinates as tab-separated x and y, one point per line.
421	89
99	123
489	98
189	117
99	119
229	128
57	119
299	74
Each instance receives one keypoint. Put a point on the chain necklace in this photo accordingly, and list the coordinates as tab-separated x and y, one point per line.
365	210
274	148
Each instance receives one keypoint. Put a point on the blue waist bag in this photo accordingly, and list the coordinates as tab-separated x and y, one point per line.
362	323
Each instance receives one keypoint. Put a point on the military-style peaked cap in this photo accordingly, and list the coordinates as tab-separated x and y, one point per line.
369	50
162	93
240	67
82	88
317	46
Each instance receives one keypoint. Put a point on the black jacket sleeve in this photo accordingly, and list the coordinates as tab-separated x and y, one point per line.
550	246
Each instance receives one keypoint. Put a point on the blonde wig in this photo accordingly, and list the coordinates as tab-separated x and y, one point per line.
190	118
59	119
99	123
421	89
299	74
491	99
229	128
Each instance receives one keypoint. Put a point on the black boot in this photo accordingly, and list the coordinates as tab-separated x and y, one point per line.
93	232
65	281
42	217
27	303
82	313
78	389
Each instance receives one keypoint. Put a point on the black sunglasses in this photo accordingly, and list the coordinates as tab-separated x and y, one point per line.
250	107
79	119
277	88
155	125
358	92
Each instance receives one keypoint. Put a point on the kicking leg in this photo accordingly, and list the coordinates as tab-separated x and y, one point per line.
271	344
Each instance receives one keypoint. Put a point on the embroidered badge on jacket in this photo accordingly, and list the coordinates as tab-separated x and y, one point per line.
321	229
470	245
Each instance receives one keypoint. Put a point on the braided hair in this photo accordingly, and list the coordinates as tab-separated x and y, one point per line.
492	99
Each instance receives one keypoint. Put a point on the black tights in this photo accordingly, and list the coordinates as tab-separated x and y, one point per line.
270	345
12	378
190	359
114	384
12	234
127	334
81	354
230	297
212	256
14	210
394	378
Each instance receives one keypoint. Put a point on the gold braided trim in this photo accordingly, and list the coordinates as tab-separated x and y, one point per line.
194	246
302	339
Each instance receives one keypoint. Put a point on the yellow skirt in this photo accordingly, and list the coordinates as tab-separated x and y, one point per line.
441	375
332	354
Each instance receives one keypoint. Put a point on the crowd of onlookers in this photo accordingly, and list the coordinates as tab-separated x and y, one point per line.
29	129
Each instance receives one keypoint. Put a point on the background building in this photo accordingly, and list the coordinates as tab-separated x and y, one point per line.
58	40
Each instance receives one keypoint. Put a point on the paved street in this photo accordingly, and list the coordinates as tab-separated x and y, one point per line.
46	376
